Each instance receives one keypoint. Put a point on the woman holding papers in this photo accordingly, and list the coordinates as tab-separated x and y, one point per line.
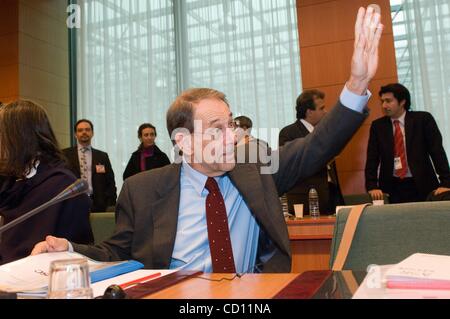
35	172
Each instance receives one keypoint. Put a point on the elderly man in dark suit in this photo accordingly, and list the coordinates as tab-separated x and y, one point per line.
93	166
403	143
310	107
212	214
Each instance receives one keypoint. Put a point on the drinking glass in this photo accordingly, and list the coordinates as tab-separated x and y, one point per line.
69	279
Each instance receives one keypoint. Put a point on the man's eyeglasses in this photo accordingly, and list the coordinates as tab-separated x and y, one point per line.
213	134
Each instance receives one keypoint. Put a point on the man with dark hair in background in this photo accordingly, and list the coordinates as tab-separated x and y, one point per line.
310	108
243	128
93	166
406	145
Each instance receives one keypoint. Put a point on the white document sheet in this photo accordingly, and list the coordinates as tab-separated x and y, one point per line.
374	287
421	266
32	273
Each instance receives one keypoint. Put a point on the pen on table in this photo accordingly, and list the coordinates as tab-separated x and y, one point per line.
139	280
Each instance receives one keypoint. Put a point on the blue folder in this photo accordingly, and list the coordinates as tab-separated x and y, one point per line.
115	270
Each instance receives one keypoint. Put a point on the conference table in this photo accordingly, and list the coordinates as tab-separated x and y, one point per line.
310	240
309	285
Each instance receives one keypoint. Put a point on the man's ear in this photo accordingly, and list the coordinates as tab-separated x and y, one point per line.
402	104
183	142
308	113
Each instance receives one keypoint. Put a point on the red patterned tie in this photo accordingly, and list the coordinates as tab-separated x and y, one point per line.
399	150
218	231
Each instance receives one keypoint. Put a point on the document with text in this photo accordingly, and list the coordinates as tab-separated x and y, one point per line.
30	275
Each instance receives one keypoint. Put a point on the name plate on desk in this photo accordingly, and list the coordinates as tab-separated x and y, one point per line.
311	228
150	287
310	240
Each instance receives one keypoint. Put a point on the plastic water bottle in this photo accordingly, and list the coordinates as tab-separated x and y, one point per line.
313	198
284	205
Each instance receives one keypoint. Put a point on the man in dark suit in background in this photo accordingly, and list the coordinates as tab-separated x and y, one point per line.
310	108
93	166
243	128
404	143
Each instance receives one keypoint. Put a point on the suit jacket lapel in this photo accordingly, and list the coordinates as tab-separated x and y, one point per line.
165	216
409	131
303	131
389	140
247	180
75	160
95	161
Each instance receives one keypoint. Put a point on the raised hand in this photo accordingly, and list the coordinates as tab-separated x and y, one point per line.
368	30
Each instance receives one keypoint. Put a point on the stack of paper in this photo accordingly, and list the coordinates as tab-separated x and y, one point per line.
420	271
372	288
29	276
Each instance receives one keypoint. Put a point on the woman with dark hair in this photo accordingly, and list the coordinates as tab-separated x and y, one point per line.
148	155
35	172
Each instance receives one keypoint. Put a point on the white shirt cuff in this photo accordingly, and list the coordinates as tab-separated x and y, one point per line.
354	101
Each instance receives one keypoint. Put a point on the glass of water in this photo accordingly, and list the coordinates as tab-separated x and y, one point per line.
69	279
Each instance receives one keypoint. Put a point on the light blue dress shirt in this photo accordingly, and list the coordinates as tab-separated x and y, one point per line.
354	101
191	250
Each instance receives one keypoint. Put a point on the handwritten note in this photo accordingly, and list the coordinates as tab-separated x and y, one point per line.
422	266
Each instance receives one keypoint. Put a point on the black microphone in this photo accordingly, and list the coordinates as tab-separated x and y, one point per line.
114	292
77	188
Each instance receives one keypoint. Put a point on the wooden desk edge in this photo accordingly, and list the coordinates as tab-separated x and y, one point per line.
309	220
304	286
248	286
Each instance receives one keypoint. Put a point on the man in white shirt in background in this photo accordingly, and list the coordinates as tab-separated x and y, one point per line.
310	109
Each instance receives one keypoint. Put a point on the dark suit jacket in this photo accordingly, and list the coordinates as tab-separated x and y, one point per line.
299	193
2	180
147	209
103	184
69	219
423	141
158	159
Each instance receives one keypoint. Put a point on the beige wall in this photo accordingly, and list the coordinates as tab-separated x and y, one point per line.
44	62
326	33
9	44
